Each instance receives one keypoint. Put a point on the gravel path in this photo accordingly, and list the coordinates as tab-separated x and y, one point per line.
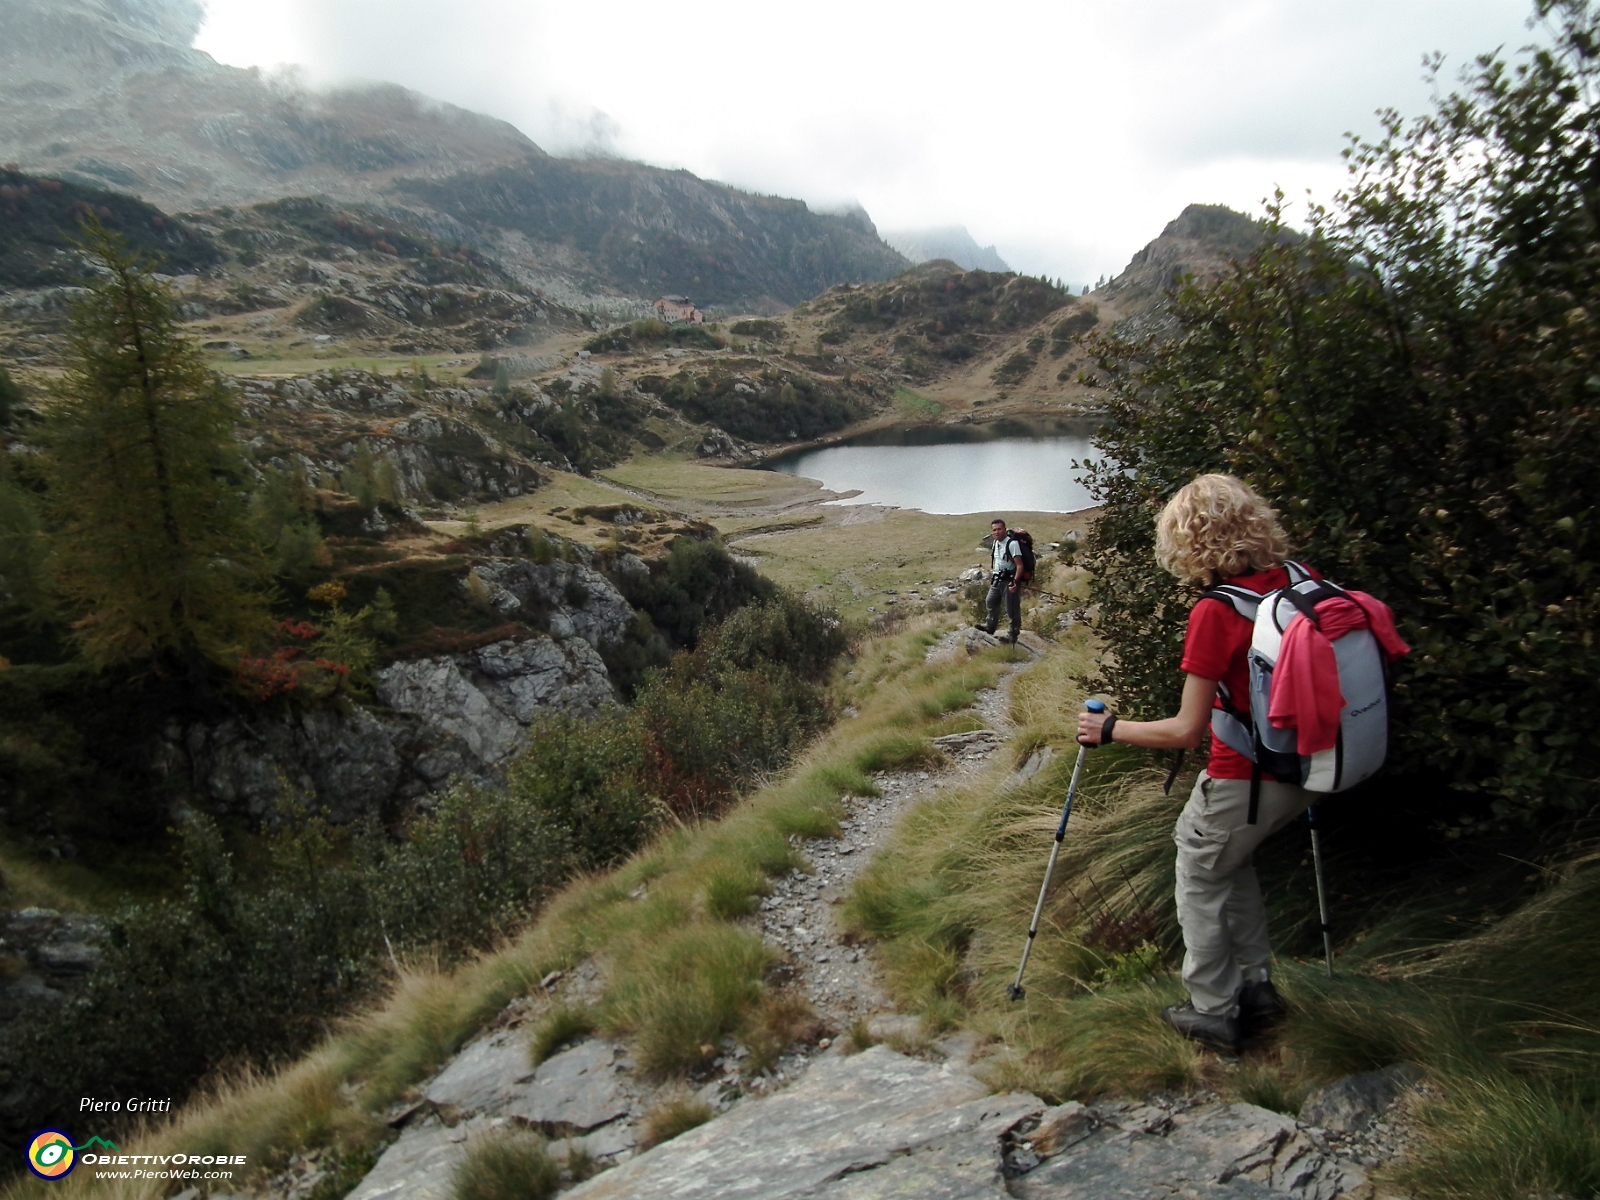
800	916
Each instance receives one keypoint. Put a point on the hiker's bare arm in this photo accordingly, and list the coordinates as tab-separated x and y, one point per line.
1182	732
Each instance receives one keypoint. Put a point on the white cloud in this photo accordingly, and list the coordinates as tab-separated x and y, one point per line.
1065	131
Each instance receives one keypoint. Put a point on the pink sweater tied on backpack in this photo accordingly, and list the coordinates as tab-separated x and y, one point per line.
1305	685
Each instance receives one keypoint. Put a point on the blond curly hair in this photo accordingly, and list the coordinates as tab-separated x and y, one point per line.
1216	527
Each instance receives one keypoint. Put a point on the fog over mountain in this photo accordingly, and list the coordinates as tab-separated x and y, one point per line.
110	93
1062	131
952	242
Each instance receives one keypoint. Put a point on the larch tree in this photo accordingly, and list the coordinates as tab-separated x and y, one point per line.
146	490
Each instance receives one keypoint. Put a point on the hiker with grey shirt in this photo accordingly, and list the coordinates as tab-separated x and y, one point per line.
1004	584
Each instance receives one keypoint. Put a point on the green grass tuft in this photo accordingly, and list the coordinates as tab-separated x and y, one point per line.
734	891
507	1166
693	986
562	1024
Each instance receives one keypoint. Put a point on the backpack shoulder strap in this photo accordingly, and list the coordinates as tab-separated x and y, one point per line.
1241	599
1297	572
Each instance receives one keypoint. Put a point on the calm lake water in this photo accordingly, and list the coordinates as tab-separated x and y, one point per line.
1006	466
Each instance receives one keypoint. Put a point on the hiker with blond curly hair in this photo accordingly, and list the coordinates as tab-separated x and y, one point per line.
1217	530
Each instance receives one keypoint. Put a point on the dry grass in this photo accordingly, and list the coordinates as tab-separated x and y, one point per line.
778	1022
697	483
671	1117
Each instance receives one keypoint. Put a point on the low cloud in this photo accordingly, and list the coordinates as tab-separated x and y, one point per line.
1066	132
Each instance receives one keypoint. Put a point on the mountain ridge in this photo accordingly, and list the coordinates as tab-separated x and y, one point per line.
952	242
108	93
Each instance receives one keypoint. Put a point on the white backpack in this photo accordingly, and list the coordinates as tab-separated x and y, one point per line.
1242	723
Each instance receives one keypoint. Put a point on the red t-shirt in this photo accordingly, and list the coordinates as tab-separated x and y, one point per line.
1215	648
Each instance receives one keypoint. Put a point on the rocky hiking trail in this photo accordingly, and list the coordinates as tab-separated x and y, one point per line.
825	1121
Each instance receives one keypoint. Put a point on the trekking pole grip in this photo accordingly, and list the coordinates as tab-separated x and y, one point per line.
1097	707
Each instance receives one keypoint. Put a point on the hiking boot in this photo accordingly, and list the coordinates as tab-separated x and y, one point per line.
1260	1006
1215	1033
984	629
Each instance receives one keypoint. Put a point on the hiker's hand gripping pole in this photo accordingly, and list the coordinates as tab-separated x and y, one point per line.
1015	989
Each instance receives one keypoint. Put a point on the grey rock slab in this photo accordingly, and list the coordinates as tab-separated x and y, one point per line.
1213	1152
981	738
485	1075
608	1140
421	1164
844	1117
1354	1102
1037	761
578	1089
965	1165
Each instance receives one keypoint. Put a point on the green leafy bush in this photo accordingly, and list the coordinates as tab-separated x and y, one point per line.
1413	385
582	774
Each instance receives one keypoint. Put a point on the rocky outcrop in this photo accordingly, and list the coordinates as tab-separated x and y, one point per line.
440	717
427	439
43	956
485	699
876	1125
575	599
342	760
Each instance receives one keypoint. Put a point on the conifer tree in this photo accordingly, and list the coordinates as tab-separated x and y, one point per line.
153	551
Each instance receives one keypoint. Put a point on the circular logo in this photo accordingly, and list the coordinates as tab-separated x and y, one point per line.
50	1154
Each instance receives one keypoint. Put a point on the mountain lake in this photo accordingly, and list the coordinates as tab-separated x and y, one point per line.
1001	467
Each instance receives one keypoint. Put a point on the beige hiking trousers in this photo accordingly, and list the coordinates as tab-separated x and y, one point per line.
1219	899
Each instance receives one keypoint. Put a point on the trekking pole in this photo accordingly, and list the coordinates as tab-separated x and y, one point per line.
1015	989
1322	891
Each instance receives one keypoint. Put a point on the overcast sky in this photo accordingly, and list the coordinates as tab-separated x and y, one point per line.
1066	132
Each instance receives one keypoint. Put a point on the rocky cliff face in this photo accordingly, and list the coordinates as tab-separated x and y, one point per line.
1201	241
434	719
950	242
